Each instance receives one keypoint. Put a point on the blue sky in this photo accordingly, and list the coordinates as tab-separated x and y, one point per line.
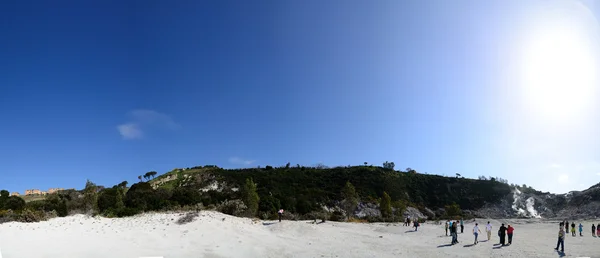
110	90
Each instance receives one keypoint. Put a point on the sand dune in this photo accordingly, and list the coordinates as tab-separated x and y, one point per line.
215	235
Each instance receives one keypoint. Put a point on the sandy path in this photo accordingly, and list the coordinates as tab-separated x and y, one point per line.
217	235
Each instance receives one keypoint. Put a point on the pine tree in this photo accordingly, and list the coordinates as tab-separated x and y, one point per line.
250	197
385	206
350	199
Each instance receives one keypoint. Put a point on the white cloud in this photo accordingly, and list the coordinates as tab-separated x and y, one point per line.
130	131
598	173
142	118
554	165
240	161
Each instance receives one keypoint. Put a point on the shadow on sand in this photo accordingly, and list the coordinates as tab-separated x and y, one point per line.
468	245
409	231
269	223
561	254
446	245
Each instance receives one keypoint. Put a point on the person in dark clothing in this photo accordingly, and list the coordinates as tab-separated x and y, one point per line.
566	226
280	213
446	226
573	229
502	235
462	226
561	240
453	232
593	230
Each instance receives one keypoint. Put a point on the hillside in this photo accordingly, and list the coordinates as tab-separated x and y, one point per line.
304	190
310	193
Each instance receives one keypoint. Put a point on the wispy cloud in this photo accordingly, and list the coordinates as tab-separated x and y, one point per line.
240	161
142	118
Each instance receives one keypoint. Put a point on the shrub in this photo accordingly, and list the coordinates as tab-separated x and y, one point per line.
233	207
337	216
14	203
185	196
28	215
453	210
187	218
110	198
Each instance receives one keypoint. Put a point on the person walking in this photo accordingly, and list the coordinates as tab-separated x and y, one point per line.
446	226
566	226
488	229
280	214
561	240
593	230
456	230
462	226
476	232
572	228
580	229
416	224
509	232
598	230
452	234
503	235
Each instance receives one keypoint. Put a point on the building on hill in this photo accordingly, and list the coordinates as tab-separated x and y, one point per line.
33	192
54	190
15	194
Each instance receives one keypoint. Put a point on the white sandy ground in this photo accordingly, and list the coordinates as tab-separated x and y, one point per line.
214	235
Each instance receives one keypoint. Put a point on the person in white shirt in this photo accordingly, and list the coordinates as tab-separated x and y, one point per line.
476	232
488	229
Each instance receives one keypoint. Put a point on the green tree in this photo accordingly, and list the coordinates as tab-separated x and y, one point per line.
14	203
350	199
398	207
453	210
385	206
123	184
3	197
389	165
250	197
90	197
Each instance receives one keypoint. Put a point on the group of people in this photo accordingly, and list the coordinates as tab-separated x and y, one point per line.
564	228
503	232
416	223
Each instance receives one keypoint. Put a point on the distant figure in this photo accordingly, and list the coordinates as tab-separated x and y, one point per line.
561	240
488	229
476	232
455	224
573	229
447	224
593	230
453	231
280	213
406	222
416	224
562	224
598	230
580	229
509	232
462	226
566	226
502	235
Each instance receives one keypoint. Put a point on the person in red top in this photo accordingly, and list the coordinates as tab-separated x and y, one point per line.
509	231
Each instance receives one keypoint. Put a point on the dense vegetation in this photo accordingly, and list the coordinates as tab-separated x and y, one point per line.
303	192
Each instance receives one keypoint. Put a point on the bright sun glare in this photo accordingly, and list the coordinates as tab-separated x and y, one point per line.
559	64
